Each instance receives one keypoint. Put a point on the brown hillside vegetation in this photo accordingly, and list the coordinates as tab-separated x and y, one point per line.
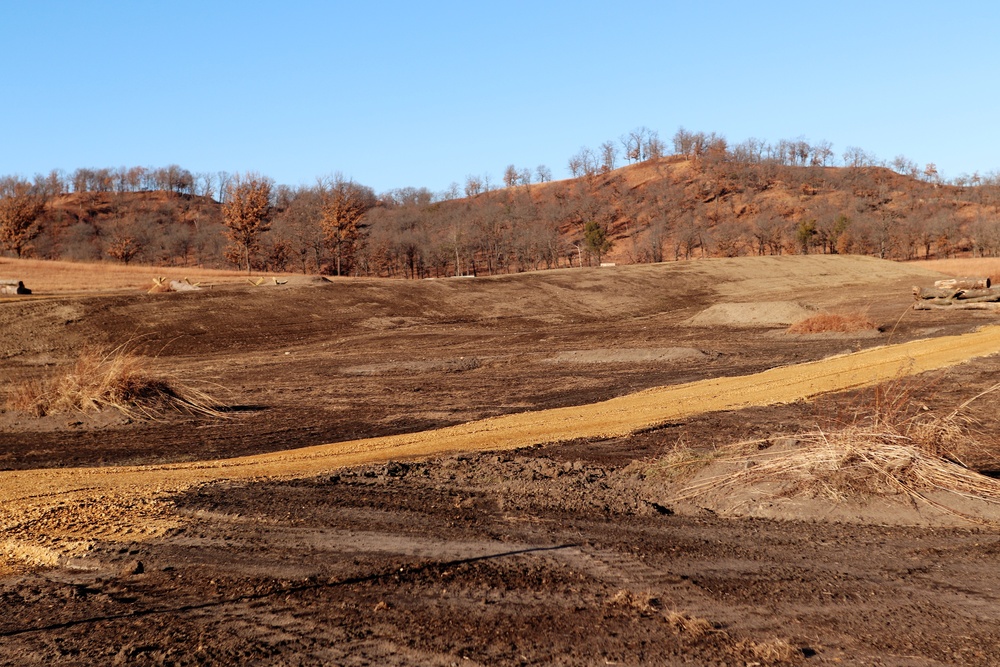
694	204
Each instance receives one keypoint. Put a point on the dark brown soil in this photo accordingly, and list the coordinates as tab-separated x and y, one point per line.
555	554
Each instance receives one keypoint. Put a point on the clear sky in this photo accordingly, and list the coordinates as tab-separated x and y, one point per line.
396	94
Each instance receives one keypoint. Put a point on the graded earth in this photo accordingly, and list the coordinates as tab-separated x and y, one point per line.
468	472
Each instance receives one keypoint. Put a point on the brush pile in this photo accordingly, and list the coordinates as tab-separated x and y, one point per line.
958	294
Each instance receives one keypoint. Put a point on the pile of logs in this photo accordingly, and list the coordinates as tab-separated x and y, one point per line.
958	293
12	287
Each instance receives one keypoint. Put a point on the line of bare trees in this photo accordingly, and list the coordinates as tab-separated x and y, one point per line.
723	202
171	178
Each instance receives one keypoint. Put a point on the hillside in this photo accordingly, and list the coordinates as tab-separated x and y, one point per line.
667	208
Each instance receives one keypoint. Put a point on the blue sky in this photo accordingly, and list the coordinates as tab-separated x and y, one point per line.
396	94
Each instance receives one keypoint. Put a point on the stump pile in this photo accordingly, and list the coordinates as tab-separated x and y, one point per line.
958	294
12	287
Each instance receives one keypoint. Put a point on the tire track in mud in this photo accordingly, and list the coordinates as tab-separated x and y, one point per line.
40	509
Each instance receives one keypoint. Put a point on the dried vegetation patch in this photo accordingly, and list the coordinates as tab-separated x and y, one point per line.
833	323
691	630
895	450
115	379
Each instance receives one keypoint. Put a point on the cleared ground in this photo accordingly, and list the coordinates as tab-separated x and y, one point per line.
505	558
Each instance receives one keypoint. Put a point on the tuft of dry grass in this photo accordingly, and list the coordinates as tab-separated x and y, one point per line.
769	652
117	379
690	627
696	630
644	603
894	448
833	322
676	462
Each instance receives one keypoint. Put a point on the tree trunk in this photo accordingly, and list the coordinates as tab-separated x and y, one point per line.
955	305
963	283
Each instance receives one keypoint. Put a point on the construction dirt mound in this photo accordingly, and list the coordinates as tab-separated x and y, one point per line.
753	314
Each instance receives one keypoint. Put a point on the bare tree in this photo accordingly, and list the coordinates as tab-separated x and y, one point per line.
684	142
524	177
224	178
609	156
510	176
632	143
857	157
205	184
543	173
931	174
451	192
575	165
247	213
473	185
654	147
822	153
642	144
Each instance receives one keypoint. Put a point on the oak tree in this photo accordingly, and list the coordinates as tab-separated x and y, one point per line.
345	203
247	214
21	203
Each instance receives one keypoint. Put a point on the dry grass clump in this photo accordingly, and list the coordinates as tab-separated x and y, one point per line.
769	652
117	379
894	449
833	322
644	603
696	630
680	461
690	627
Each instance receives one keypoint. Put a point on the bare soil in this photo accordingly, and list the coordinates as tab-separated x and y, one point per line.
560	553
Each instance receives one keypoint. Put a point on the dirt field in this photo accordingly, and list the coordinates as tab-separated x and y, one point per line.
507	538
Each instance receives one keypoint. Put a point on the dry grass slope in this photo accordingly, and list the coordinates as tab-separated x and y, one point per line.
964	266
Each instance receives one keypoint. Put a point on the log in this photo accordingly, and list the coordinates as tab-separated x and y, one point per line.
963	283
934	293
979	293
956	305
989	298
